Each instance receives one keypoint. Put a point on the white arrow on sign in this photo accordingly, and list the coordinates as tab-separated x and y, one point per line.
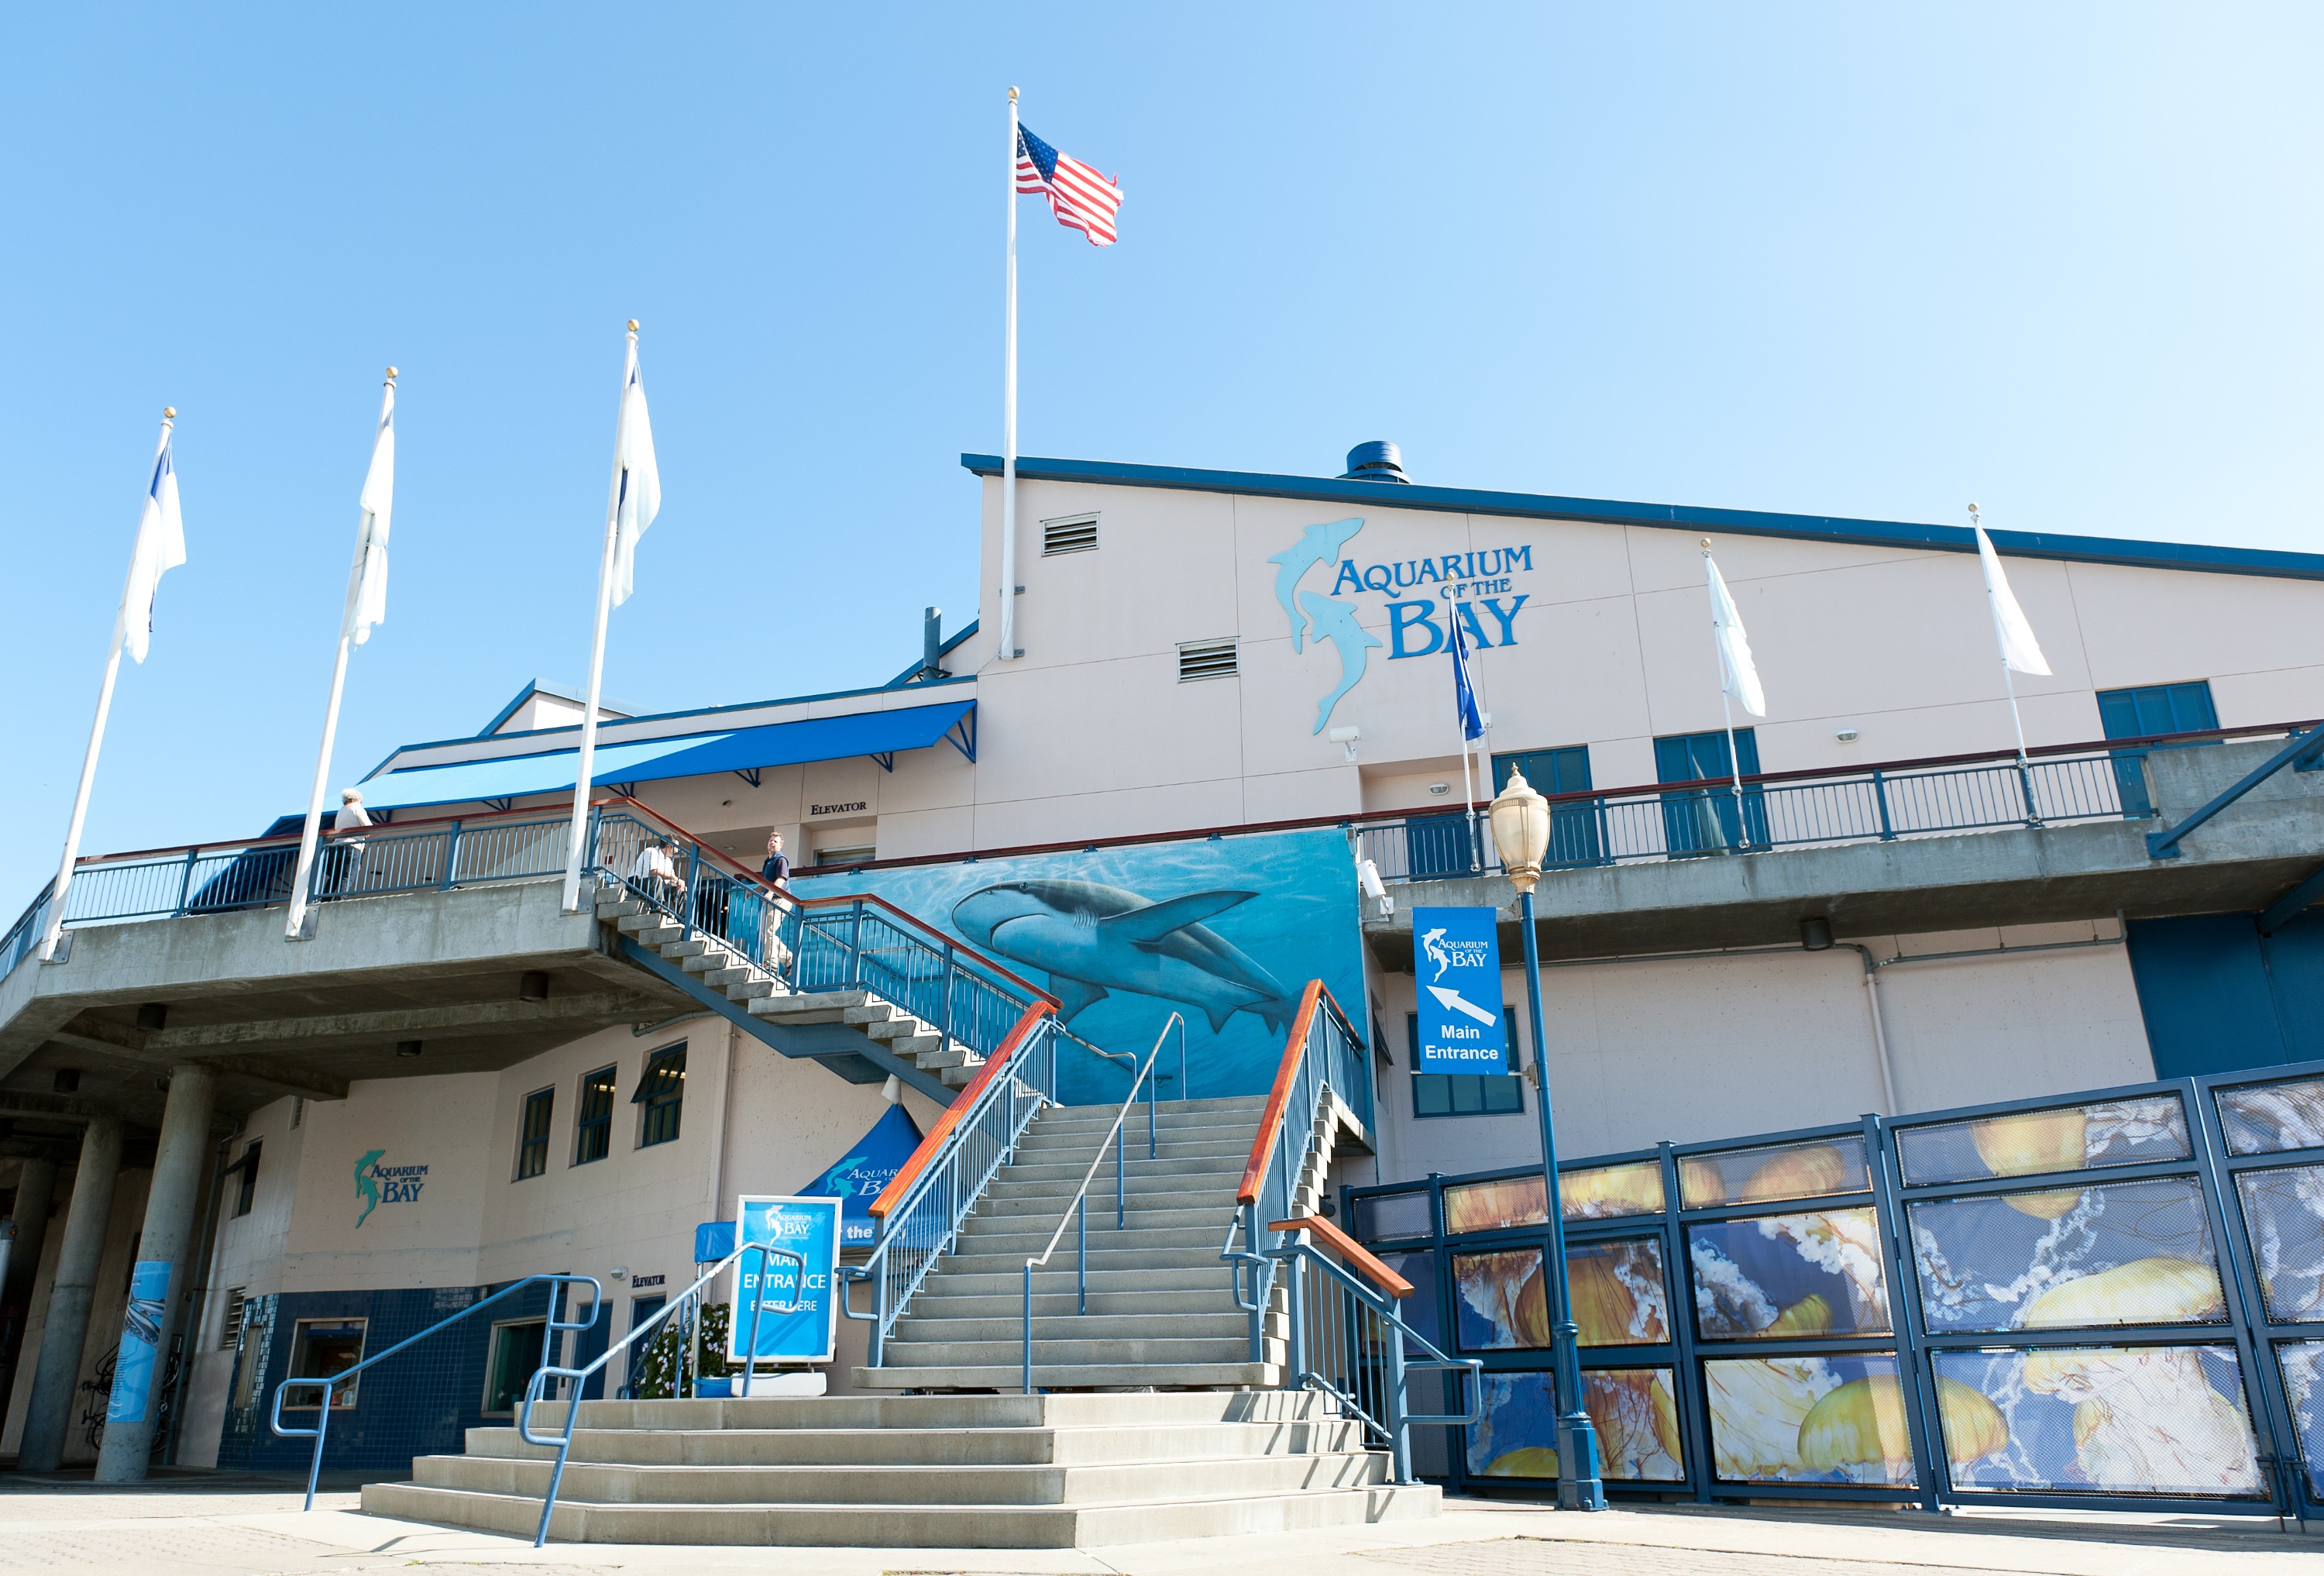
1460	1004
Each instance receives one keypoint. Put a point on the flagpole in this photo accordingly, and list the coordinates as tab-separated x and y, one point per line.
96	738
1009	418
312	832
586	767
1726	708
2009	687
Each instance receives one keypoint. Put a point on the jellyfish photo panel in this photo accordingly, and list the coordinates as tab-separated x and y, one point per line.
1635	1412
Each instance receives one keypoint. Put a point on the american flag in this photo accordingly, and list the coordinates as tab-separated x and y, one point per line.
1081	198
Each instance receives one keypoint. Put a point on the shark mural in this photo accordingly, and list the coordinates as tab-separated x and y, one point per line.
1323	616
1225	931
1318	544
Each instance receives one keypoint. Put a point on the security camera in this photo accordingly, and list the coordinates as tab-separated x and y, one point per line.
1347	736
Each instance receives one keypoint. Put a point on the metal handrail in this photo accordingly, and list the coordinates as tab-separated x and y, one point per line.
1376	1334
1080	1202
330	1382
547	1375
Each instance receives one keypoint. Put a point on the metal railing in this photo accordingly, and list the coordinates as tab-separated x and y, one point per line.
1348	1340
545	1375
552	1331
1881	803
1078	1208
921	1210
1323	1057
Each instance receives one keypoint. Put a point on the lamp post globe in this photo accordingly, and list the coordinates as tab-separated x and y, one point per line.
1520	821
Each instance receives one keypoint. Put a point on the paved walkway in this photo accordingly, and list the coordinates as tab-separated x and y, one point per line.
201	1525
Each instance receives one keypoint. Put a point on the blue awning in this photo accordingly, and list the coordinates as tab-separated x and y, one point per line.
744	751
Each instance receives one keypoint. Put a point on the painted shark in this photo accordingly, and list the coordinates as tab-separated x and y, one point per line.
366	1184
1336	622
1318	544
1095	940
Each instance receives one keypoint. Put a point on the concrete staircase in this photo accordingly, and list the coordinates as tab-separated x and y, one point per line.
1162	1312
758	993
924	1472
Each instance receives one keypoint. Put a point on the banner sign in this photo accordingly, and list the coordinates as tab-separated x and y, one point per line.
797	1313
870	1164
1457	965
141	1337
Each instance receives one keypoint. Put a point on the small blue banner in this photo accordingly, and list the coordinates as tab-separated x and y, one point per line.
797	1315
870	1164
140	1340
1456	963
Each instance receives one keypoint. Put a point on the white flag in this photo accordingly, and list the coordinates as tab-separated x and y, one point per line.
2019	649
1737	674
637	481
161	547
367	578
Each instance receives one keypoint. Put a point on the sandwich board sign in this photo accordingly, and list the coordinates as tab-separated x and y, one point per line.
797	1310
1457	965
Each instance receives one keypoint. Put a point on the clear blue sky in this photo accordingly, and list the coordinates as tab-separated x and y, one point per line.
2063	260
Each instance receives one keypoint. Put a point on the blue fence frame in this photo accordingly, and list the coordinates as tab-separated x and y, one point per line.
2233	1163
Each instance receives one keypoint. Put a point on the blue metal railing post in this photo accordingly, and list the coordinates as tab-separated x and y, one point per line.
1081	1260
944	1002
186	883
1880	797
688	900
855	945
451	858
1028	1326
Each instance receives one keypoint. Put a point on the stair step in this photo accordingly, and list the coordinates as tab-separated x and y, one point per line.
1049	1376
1136	1351
927	1325
796	1414
1220	1170
1212	1190
979	1275
905	1525
1148	1226
809	1006
953	1447
937	1300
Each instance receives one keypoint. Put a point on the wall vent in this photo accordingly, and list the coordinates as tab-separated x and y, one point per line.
1205	659
856	853
230	1328
1074	534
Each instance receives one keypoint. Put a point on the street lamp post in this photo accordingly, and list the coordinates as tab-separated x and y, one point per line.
1520	823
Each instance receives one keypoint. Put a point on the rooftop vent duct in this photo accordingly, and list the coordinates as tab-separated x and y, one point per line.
1376	462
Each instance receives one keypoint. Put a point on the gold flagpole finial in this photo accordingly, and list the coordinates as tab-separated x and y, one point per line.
391	374
169	412
1012	95
1706	544
1972	512
633	325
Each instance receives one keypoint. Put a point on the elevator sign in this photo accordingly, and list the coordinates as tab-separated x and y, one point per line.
1457	966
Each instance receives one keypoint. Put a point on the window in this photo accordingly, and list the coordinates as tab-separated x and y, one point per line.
848	853
511	1362
320	1348
532	1138
2142	713
230	1327
593	1134
1576	831
248	1190
661	1092
1205	659
1703	821
1077	534
1466	1093
2157	708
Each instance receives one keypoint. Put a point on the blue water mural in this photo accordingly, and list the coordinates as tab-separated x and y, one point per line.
1226	931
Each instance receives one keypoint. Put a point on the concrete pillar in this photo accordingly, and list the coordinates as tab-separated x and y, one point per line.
56	1372
164	1265
36	1189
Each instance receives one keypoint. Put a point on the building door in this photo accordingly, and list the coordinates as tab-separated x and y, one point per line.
2142	713
1703	820
640	1310
589	1345
1577	833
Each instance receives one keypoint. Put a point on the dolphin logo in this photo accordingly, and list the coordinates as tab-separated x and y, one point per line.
1336	622
1095	940
366	1184
1319	544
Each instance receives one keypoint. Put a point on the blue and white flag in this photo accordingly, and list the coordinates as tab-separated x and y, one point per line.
1465	694
161	547
637	478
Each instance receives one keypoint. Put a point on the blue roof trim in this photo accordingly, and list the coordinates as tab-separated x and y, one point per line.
747	706
555	692
904	680
1886	533
874	733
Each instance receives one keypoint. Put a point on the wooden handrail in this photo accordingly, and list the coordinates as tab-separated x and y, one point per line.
1351	1250
1262	1146
958	1112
